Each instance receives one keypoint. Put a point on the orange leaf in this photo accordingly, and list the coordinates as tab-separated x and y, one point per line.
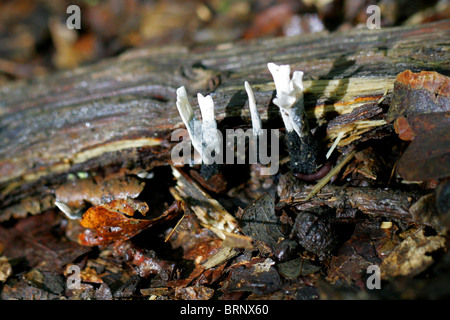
403	129
112	221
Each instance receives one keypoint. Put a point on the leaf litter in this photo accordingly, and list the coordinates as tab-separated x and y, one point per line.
173	237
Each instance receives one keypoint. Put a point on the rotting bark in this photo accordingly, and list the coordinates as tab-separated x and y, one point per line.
392	204
117	115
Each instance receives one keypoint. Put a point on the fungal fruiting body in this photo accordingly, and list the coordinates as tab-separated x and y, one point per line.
289	96
189	119
302	147
256	120
204	135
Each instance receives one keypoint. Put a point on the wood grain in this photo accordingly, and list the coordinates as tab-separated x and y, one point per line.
118	114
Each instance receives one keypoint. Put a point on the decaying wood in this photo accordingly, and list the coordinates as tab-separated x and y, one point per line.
391	204
118	115
209	212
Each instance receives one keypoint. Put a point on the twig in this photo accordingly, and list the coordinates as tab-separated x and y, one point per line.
330	174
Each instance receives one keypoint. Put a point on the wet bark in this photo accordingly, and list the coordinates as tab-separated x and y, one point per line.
117	115
388	203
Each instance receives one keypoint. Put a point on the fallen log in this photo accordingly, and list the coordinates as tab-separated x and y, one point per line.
117	115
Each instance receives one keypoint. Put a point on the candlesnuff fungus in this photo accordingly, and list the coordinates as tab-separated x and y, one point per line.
256	120
303	148
204	135
190	120
289	97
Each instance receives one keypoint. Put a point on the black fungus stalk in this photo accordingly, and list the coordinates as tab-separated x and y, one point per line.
303	148
208	129
307	163
210	170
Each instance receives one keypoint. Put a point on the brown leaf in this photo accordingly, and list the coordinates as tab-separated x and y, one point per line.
425	211
194	293
20	289
270	21
200	253
97	190
189	233
146	261
113	221
423	92
411	257
5	269
34	239
403	129
203	250
427	157
257	275
260	222
355	255
421	110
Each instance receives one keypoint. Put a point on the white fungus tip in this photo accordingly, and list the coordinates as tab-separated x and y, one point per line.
193	126
297	81
184	107
206	105
256	120
289	91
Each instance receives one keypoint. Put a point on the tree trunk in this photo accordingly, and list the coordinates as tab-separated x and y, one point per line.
118	114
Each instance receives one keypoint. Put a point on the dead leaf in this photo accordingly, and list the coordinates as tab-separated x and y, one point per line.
34	239
113	221
203	250
194	293
294	268
96	190
5	269
260	222
20	289
201	254
411	257
270	21
423	92
427	157
355	255
145	260
425	211
421	110
403	129
257	275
